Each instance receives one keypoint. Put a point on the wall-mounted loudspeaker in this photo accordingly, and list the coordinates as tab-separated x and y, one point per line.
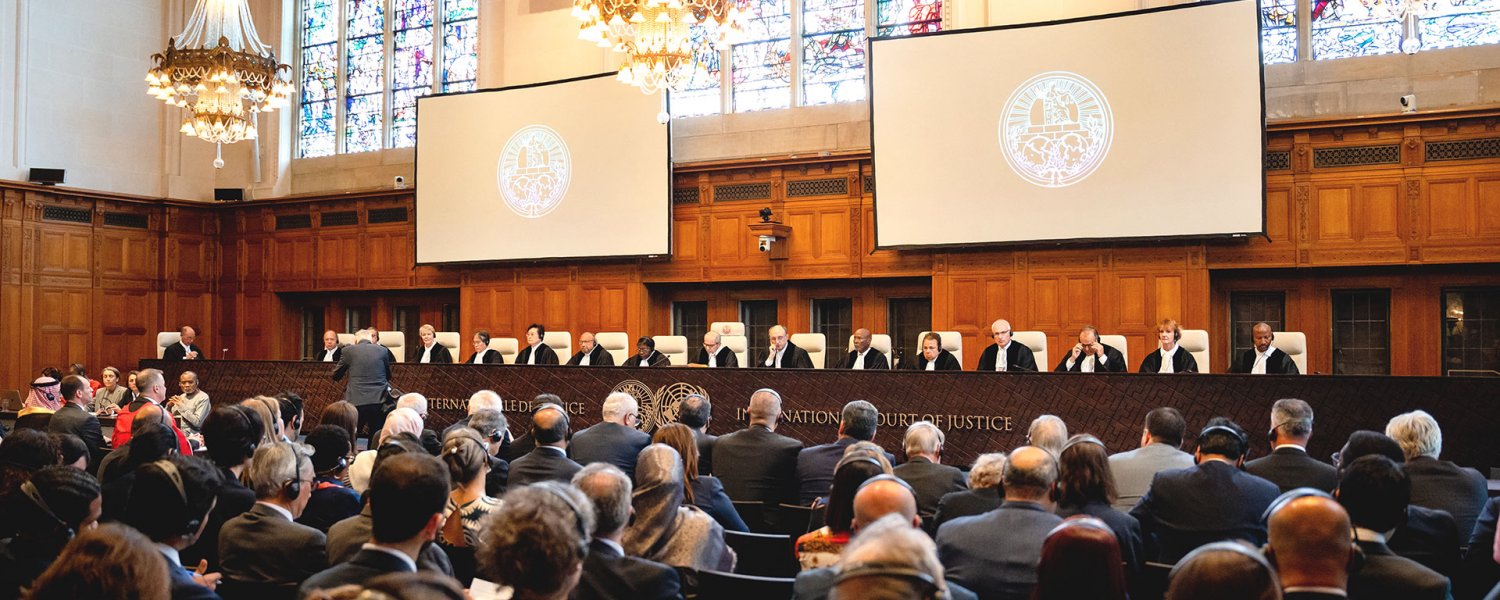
46	176
229	194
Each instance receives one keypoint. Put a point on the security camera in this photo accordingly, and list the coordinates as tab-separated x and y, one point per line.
1409	103
765	243
400	182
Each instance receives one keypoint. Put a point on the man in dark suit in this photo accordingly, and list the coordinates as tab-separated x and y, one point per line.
996	553
1090	355
184	349
934	357
232	432
783	353
347	537
1215	500
1265	359
1375	490
1309	538
1436	483
695	411
1169	356
173	515
1005	354
608	574
925	471
614	439
714	353
407	496
862	357
983	495
1288	466
591	354
331	349
1427	535
549	460
536	352
431	352
646	355
815	465
265	550
75	419
754	463
483	353
369	369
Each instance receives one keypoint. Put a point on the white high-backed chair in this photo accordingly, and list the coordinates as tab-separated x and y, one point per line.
396	341
345	339
164	340
560	342
1294	344
1037	342
879	342
449	340
816	345
508	348
616	343
735	327
1118	342
675	347
952	342
1195	341
740	346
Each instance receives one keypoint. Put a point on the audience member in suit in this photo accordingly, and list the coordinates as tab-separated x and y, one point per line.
549	460
1081	559
170	504
536	352
1005	354
1049	433
184	349
608	574
815	465
331	350
483	353
703	491
232	433
331	500
1427	535
890	542
1169	357
74	418
1265	359
984	493
1085	486
1215	500
715	354
491	426
646	355
407	496
369	369
53	502
1479	572
1090	355
862	357
347	537
666	529
431	352
1375	490
934	357
1160	439
783	354
1435	483
480	400
930	479
1309	540
1224	570
1288	465
1003	566
537	545
756	464
614	439
695	411
265	550
591	354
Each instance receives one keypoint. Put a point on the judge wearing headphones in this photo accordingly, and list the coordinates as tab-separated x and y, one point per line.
1170	358
265	550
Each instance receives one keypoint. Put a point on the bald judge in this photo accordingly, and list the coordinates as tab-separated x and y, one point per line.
591	354
862	357
1005	354
715	353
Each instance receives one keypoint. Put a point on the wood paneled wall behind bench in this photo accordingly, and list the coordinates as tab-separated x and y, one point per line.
1370	202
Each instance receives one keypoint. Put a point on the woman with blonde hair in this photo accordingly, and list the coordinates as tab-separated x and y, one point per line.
269	411
401	420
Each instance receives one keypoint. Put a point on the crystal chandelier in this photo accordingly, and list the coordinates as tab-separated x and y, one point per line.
655	35
219	70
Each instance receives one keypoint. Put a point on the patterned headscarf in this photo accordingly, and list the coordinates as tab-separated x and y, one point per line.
664	530
45	393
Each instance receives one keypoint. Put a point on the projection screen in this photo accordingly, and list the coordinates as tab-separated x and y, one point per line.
1138	125
579	168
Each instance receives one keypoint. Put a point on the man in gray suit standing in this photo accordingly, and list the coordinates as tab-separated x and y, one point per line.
369	369
1158	452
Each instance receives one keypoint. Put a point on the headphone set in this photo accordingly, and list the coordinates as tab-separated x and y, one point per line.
928	588
247	447
1244	442
173	475
885	477
1356	558
29	490
583	531
1272	435
293	486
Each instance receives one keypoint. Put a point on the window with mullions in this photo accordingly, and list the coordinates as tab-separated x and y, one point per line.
1471	332
690	319
1362	332
758	316
363	64
834	318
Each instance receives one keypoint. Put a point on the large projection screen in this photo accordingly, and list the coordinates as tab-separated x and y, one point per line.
1138	125
570	169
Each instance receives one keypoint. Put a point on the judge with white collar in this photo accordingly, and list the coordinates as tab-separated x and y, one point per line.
1170	358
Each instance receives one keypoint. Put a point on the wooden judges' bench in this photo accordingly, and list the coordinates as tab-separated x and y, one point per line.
980	412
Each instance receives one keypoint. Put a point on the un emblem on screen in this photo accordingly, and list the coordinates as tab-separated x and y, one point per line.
534	171
1055	129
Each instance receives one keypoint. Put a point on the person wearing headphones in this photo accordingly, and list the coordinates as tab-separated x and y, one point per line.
1311	545
537	545
549	460
1288	465
1224	571
1211	501
331	500
232	433
1170	357
996	554
893	559
264	551
170	503
56	503
1265	359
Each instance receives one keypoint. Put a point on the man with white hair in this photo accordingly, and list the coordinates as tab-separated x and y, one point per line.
783	353
418	404
615	439
369	369
983	495
930	479
1049	433
1005	354
755	463
1435	483
265	547
1288	465
184	349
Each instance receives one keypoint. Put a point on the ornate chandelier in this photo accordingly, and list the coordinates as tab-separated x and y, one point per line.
655	35
219	70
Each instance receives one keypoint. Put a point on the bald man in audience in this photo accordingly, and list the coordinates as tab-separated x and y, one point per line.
783	353
548	461
1006	354
1265	359
332	349
184	349
996	553
590	353
862	357
714	353
1311	544
755	463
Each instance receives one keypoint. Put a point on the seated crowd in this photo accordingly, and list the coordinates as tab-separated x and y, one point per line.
264	512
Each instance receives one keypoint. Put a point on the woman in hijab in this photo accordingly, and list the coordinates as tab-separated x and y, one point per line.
666	531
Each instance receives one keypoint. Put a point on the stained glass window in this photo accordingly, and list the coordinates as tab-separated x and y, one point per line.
411	67
1278	31
1468	23
763	62
364	76
319	78
1346	28
699	91
833	51
906	17
460	45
